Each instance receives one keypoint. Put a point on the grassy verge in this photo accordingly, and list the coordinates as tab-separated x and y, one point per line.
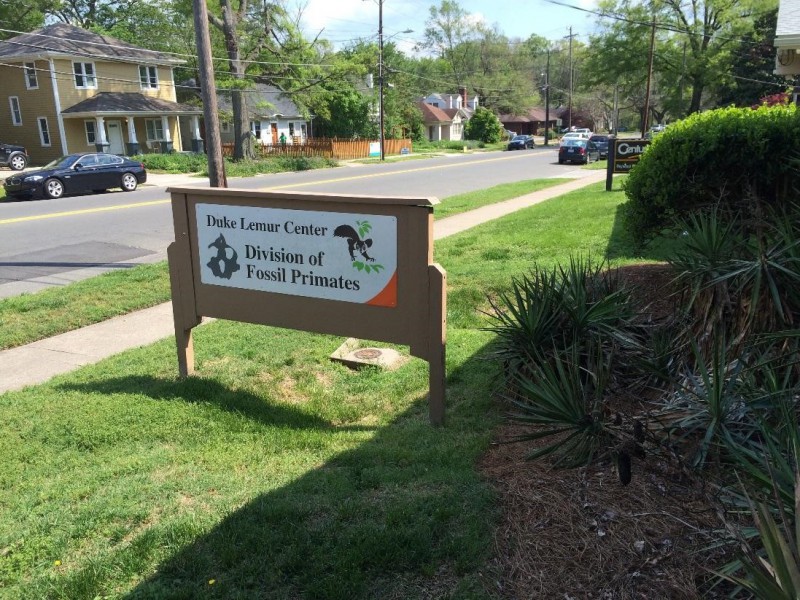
32	317
275	473
471	200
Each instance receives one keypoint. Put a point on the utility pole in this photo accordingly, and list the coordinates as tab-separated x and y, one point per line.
571	79
615	113
380	76
547	102
646	115
208	90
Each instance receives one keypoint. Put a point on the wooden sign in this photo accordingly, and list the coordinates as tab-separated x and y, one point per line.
623	154
353	266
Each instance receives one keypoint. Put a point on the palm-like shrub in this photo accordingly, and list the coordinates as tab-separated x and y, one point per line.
769	560
566	335
740	273
566	402
550	311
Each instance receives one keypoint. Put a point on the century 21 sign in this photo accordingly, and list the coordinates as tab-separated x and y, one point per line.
626	153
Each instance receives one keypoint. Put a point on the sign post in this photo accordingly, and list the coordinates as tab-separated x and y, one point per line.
354	266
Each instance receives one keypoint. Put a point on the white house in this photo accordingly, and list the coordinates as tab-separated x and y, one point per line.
444	124
787	40
271	114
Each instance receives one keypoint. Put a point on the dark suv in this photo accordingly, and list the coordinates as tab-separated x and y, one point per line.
601	141
13	156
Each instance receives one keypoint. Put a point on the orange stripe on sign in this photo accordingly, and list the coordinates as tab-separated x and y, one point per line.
388	295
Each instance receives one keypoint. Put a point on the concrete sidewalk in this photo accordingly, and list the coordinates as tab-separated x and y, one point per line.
38	362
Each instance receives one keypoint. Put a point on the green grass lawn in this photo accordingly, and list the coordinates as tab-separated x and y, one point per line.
275	473
32	317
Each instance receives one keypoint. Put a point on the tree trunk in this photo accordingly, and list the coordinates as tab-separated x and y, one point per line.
230	20
697	95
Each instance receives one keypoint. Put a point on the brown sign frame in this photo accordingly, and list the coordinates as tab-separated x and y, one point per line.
617	165
418	319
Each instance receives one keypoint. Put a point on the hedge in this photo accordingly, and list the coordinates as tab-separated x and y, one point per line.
734	158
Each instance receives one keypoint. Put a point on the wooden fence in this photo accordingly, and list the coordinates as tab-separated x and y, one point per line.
326	147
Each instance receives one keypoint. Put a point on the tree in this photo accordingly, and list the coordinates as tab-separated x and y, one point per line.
484	126
752	74
449	32
23	16
695	43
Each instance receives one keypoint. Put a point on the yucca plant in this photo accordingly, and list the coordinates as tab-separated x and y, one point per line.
527	318
770	557
708	410
551	310
566	402
708	246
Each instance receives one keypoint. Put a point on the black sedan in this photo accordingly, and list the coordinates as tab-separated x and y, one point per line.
578	151
601	141
520	142
13	156
75	173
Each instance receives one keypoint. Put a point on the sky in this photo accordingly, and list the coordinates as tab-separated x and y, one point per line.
342	21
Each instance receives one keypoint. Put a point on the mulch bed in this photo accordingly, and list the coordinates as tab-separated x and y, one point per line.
580	534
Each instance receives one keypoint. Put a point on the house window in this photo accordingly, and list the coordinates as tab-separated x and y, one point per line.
225	126
84	75
44	131
303	132
255	127
148	77
16	113
291	130
30	76
155	129
91	132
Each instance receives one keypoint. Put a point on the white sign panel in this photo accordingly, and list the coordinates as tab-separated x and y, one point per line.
334	256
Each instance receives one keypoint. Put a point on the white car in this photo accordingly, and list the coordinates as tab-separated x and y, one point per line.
575	135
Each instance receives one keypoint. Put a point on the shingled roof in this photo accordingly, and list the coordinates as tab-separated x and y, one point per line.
128	103
433	114
67	40
263	101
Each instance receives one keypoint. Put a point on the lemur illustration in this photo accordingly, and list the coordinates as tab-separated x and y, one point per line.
224	264
354	241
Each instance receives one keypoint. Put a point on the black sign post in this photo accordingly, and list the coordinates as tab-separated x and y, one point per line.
622	155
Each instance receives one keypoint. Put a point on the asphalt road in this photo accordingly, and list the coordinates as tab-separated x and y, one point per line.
54	242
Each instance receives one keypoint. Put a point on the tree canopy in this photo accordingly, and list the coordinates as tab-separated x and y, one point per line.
707	53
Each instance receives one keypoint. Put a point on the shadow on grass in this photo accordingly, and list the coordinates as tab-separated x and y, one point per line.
196	390
621	244
404	515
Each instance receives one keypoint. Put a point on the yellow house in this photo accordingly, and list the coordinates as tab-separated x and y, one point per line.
70	90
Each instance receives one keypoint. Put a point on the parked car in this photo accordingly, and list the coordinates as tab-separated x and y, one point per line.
578	151
654	131
520	142
574	135
92	172
601	141
13	156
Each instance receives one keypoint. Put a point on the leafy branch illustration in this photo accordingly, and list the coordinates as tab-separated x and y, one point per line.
366	267
364	228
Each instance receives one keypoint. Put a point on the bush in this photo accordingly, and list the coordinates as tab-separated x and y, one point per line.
448	145
174	162
484	126
178	162
737	158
